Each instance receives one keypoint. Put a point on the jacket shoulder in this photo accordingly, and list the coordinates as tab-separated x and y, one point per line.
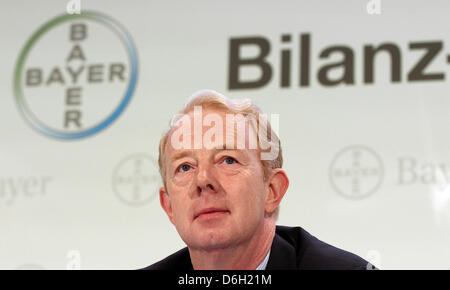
312	253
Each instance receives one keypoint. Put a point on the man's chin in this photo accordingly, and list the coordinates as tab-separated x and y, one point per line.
212	240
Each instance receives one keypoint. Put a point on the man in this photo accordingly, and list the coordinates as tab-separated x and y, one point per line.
220	162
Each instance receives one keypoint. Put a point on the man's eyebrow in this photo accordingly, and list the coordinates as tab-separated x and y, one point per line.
179	155
218	150
184	153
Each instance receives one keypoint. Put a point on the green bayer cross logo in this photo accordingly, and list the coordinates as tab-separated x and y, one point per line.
135	180
356	172
75	75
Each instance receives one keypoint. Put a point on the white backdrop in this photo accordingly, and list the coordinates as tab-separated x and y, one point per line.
369	162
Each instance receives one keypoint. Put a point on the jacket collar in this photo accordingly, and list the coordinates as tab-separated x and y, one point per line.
282	255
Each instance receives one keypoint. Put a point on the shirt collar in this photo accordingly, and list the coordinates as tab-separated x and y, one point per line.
263	264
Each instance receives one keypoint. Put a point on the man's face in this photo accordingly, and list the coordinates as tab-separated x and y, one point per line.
216	198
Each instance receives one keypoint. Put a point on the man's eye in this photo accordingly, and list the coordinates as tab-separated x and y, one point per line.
184	168
230	160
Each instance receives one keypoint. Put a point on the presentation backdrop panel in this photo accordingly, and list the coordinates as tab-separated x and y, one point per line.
360	89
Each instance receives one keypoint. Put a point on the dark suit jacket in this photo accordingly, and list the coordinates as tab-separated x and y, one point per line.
293	248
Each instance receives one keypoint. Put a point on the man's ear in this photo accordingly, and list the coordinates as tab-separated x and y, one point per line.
278	185
164	200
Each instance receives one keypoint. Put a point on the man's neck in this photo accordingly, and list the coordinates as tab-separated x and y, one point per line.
246	256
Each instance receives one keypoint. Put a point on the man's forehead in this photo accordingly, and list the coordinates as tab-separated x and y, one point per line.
212	124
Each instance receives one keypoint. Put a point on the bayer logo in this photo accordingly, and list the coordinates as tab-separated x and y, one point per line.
356	172
75	75
135	180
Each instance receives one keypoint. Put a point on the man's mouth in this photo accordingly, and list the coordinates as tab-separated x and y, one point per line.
210	212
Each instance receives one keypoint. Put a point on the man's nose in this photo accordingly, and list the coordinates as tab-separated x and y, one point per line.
206	181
